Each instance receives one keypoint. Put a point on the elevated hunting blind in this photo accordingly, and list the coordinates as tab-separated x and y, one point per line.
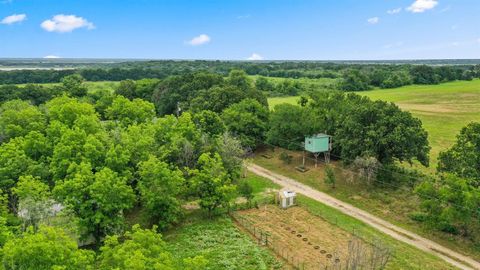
318	144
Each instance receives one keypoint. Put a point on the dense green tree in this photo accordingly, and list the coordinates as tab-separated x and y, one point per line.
239	79
289	87
230	150
463	157
130	112
142	249
450	204
263	84
248	120
68	110
49	248
97	199
159	188
217	98
354	80
289	124
13	163
102	99
34	201
209	122
423	74
18	118
77	146
74	84
178	140
396	79
176	90
211	182
374	128
127	88
137	144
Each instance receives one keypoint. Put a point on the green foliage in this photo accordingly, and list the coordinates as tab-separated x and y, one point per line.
139	249
285	157
247	120
127	88
239	79
50	248
265	85
130	112
354	80
209	122
97	199
246	190
451	204
14	163
74	84
179	89
424	74
68	111
18	118
221	243
330	178
374	128
211	182
289	124
359	126
159	188
463	157
230	150
34	201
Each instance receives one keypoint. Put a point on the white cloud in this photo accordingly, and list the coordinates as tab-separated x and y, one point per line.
420	6
51	57
200	40
15	18
255	57
373	20
478	40
66	23
394	11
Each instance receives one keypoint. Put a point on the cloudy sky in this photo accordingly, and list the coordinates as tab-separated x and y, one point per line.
241	29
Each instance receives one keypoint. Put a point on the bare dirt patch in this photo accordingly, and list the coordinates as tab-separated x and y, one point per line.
299	236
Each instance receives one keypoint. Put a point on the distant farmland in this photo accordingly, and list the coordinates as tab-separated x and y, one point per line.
444	109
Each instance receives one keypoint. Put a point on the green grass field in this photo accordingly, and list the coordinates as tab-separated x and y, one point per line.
443	109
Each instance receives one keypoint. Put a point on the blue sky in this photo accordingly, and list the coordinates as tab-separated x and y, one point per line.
241	29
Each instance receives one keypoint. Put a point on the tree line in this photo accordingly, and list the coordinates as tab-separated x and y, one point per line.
353	77
74	163
73	166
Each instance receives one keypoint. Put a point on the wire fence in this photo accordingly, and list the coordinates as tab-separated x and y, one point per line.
364	252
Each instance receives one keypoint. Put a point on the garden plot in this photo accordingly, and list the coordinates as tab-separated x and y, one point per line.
296	235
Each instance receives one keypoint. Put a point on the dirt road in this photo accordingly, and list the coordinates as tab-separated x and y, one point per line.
454	258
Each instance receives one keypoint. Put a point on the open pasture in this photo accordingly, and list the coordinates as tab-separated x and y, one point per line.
443	109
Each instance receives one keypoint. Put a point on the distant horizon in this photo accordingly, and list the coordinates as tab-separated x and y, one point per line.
277	30
233	60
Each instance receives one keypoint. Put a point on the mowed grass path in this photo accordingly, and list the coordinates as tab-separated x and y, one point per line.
443	109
